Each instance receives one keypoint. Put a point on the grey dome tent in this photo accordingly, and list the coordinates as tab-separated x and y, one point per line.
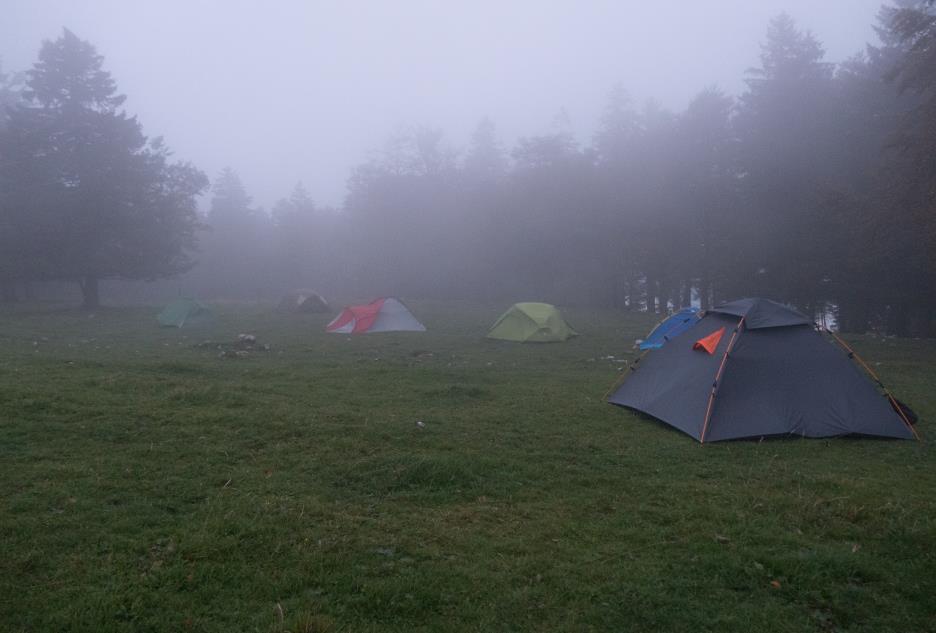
303	301
755	368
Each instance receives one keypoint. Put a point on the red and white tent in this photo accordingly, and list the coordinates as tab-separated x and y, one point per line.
382	315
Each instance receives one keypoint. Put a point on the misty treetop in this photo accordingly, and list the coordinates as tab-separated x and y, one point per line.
811	187
85	195
814	186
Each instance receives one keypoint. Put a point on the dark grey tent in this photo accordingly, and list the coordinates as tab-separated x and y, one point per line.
754	368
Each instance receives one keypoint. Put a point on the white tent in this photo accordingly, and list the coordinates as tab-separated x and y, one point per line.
382	315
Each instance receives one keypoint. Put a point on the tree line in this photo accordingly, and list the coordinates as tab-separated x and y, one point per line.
815	186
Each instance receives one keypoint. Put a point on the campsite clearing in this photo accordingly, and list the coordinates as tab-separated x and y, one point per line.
428	481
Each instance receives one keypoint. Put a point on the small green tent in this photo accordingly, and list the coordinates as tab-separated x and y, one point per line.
182	311
531	323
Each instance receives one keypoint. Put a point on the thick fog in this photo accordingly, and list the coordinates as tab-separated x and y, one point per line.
622	155
302	91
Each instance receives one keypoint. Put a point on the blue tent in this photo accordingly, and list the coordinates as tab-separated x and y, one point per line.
671	328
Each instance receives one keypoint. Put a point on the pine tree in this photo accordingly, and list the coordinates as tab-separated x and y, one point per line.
238	246
486	160
93	197
786	143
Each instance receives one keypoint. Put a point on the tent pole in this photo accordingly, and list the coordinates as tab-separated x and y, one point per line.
718	376
853	354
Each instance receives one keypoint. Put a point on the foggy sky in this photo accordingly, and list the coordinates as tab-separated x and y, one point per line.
298	90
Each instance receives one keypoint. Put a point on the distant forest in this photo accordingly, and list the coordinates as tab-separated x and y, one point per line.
815	186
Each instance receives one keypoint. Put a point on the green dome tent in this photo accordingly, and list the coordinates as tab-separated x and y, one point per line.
182	311
531	323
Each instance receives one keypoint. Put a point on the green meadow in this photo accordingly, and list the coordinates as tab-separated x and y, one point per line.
428	482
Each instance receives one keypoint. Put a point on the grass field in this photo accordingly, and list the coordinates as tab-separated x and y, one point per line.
148	485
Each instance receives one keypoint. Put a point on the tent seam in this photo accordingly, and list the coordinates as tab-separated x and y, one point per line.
718	378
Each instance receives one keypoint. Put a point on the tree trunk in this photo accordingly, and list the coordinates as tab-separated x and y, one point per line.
853	317
627	291
8	292
650	293
705	292
91	298
897	322
662	296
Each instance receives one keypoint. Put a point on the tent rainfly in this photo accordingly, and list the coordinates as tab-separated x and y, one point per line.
755	368
181	312
381	315
672	327
531	323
